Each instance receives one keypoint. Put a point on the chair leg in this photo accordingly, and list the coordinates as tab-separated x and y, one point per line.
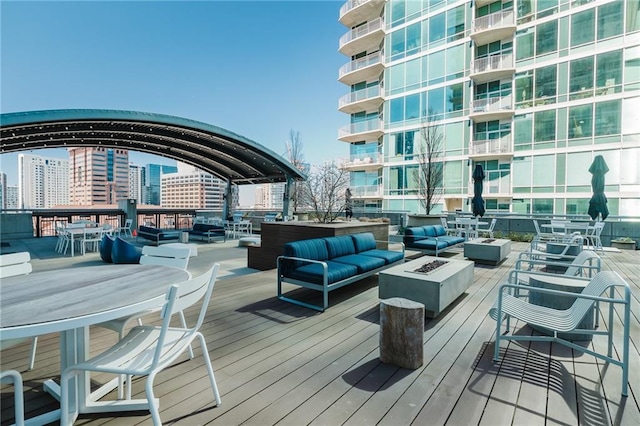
32	353
207	362
153	407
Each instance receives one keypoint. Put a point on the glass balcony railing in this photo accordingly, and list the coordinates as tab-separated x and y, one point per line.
361	127
371	59
493	63
352	4
363	160
366	191
359	95
488	105
361	31
492	146
503	18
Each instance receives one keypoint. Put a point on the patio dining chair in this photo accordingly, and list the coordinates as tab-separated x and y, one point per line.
508	306
147	350
11	265
18	398
543	236
126	229
593	237
488	231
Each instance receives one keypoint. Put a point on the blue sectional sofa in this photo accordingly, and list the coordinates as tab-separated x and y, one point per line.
157	235
324	264
430	239
208	231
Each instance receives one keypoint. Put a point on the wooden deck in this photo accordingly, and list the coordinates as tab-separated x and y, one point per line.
277	363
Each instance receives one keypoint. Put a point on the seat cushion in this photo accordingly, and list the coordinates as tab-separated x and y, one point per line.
430	230
451	240
312	272
363	241
123	252
439	230
363	263
340	246
413	234
388	255
430	244
106	245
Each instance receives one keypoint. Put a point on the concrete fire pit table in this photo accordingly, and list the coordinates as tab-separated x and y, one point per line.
487	250
436	289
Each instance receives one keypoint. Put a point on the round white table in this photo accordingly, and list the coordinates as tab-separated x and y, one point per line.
69	301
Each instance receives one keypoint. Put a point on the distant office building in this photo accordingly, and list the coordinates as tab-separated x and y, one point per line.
98	175
3	190
270	196
153	175
12	197
42	182
136	182
531	90
189	187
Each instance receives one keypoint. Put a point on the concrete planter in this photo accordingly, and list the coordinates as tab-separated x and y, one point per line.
623	245
423	219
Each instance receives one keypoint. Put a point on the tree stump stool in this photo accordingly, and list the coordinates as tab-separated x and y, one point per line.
401	332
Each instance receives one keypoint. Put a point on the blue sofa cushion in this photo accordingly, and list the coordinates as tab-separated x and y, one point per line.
314	249
413	234
206	227
312	272
340	246
363	263
123	252
439	230
429	230
149	230
106	245
388	256
451	240
430	244
364	241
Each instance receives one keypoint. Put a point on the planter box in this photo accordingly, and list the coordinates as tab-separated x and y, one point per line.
435	290
624	245
488	253
423	219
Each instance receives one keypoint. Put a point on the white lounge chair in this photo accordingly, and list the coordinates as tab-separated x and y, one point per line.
11	265
509	306
147	350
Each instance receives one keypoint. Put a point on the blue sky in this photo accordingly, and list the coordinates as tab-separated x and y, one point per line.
257	68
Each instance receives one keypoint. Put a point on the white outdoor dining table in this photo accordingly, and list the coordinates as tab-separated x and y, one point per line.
467	224
69	301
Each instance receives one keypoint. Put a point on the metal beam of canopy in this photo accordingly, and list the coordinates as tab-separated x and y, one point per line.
229	156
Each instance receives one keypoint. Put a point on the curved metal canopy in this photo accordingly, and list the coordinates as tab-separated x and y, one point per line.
215	150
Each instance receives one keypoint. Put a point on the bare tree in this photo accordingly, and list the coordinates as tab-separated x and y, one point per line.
326	186
429	174
296	158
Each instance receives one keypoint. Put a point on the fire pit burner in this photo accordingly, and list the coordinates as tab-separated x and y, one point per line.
430	267
488	241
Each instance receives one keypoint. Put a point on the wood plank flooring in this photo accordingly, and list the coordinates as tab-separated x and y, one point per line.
277	363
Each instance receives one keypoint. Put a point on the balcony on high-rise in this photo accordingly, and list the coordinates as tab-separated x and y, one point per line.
366	68
496	26
365	161
367	99
494	67
365	37
354	12
368	130
493	108
367	191
492	148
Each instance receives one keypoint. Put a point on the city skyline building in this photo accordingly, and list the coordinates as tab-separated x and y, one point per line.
98	175
3	190
530	90
152	184
43	182
12	197
136	181
270	196
190	187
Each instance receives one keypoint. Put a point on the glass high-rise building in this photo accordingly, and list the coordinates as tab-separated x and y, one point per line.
531	90
153	178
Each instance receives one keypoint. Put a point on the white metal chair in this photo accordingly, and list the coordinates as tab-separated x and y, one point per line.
543	236
11	265
538	250
593	238
92	238
586	264
18	405
488	231
509	306
445	225
147	350
126	229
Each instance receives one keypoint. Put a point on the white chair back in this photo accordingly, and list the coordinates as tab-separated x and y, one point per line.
13	264
174	257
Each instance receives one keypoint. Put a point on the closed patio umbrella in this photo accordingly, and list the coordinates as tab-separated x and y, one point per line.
598	202
477	201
